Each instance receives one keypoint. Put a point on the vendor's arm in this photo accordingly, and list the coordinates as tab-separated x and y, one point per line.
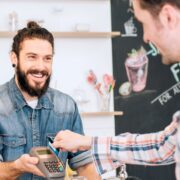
12	170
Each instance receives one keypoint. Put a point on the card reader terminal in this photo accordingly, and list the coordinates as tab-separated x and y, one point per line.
49	163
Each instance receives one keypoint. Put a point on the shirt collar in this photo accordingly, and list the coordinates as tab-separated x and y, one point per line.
19	101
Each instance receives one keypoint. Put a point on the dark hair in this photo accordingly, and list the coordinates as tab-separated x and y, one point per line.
33	30
132	178
154	6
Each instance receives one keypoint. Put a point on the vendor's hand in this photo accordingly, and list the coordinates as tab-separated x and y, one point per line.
26	163
70	141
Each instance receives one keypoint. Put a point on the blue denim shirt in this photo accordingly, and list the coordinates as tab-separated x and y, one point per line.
22	127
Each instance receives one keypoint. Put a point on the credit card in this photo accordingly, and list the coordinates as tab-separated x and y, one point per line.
55	150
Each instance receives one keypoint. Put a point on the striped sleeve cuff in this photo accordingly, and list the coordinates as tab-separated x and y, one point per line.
81	160
102	155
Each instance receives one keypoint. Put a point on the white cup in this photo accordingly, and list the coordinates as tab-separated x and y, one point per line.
130	28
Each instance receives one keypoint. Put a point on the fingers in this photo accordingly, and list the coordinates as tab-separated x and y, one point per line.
59	134
57	144
26	163
32	162
29	159
67	141
37	172
60	138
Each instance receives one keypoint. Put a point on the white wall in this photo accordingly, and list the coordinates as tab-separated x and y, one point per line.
73	56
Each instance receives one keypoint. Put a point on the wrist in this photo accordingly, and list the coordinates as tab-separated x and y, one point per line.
16	166
10	170
87	142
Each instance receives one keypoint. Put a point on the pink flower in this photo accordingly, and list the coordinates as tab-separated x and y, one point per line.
108	79
91	78
98	88
108	82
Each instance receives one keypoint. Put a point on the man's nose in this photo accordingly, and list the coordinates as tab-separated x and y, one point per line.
40	63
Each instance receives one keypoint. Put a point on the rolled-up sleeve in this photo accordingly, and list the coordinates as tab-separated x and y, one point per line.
101	153
146	149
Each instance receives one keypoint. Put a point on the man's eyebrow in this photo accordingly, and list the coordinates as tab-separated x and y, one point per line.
31	53
49	55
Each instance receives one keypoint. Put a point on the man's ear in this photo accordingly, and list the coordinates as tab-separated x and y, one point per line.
14	59
169	16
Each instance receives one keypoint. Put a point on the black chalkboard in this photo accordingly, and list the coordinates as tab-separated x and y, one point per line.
151	109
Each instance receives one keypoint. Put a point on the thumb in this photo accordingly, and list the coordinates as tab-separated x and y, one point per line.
57	144
33	160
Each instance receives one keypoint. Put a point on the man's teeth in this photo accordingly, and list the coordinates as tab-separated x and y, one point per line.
39	75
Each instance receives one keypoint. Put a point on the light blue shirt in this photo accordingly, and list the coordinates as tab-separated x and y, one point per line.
22	127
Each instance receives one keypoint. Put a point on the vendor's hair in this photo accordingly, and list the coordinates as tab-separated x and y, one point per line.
33	30
154	6
132	178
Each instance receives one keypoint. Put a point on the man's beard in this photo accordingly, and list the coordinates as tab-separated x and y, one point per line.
36	91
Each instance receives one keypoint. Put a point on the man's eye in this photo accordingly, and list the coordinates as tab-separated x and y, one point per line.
48	59
31	57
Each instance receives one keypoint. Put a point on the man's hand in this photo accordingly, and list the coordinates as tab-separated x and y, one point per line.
26	163
89	172
70	141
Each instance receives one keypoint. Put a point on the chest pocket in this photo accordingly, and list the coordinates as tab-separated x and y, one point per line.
12	147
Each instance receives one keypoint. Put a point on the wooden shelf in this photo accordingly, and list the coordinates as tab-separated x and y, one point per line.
86	34
112	113
6	34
